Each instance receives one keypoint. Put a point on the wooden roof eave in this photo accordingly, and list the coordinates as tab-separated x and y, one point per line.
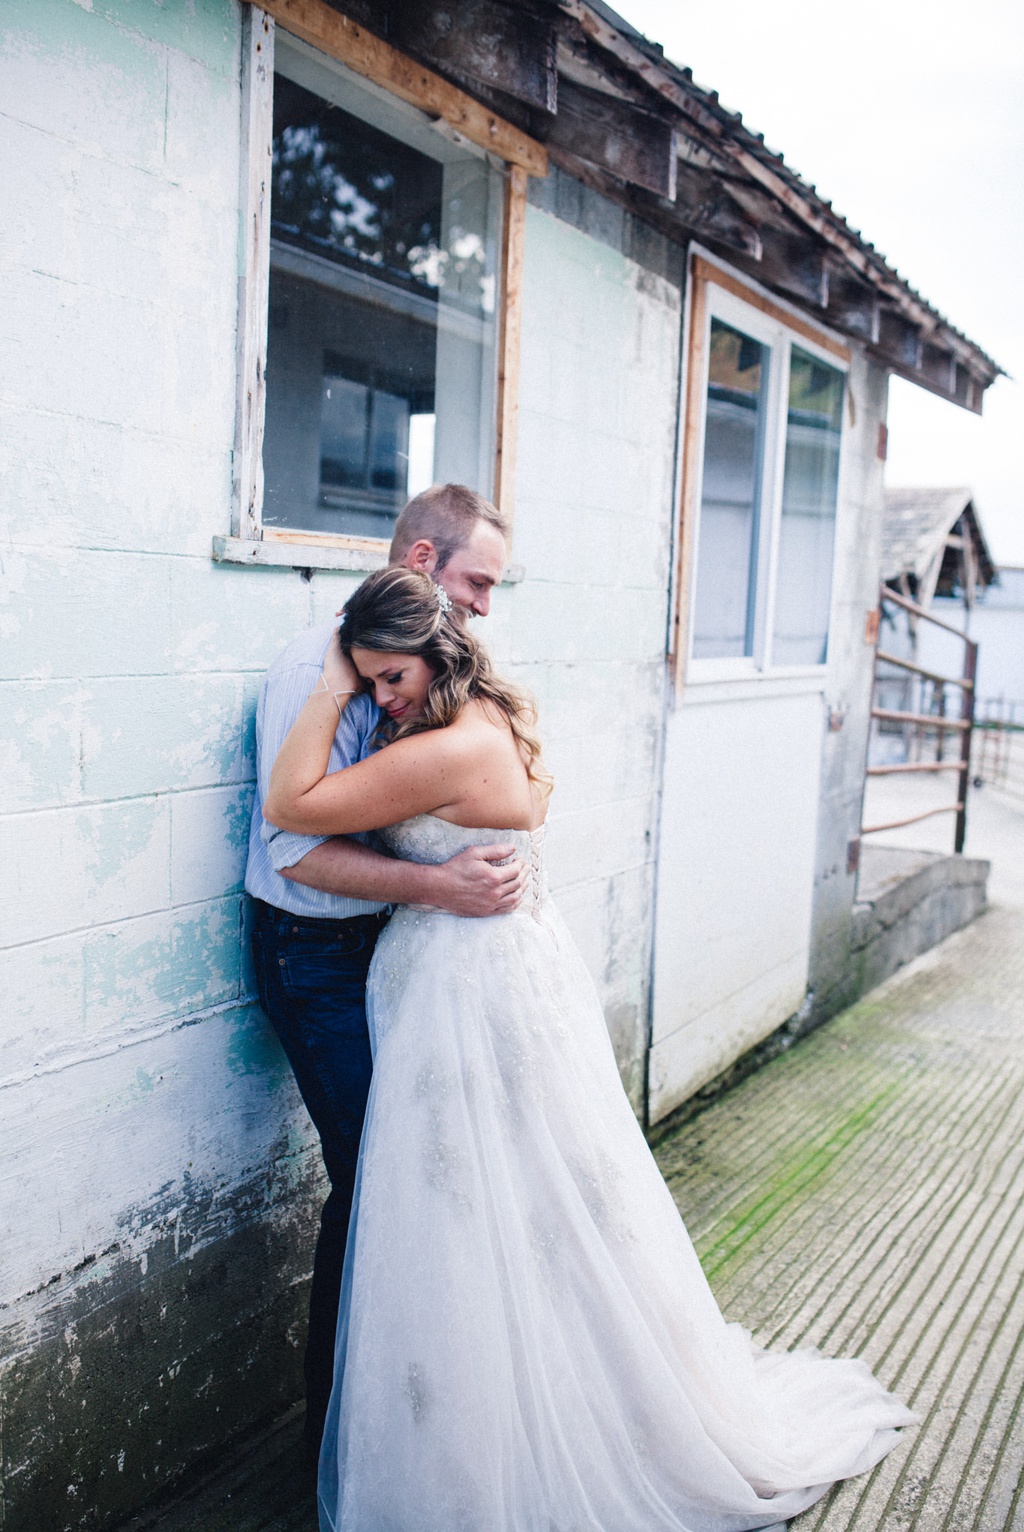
561	78
768	173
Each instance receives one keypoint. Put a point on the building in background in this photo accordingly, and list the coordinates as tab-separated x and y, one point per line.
935	554
271	271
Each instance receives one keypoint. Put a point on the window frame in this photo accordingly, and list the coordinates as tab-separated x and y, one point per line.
342	41
714	291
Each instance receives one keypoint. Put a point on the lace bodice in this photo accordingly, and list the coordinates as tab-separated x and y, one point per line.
430	839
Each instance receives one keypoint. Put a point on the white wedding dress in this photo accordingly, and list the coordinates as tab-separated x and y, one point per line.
526	1341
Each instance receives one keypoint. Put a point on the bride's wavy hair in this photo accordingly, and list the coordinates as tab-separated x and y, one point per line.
401	611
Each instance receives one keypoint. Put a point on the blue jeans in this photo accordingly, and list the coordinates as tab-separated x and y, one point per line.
311	978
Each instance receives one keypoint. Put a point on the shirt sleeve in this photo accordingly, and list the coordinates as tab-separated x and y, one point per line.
283	700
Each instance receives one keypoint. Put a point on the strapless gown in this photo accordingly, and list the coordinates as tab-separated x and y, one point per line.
526	1340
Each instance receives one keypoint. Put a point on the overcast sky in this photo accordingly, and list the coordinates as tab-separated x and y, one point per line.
909	116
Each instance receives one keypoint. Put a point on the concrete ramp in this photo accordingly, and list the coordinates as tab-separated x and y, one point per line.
907	902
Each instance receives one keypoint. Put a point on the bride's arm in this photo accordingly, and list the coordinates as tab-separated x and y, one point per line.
418	775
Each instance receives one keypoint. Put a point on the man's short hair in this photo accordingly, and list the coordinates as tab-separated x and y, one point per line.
445	515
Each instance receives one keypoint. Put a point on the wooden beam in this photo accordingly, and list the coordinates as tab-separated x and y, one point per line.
703	271
619	137
505	47
853	306
706	210
785	189
254	274
792	263
318	24
715	221
899	339
938	367
508	345
693	414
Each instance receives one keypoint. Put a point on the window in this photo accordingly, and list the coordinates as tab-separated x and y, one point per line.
383	269
761	482
730	493
379	293
810	492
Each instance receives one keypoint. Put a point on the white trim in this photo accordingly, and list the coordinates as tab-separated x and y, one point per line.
279	553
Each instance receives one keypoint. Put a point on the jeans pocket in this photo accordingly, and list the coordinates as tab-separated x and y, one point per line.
318	964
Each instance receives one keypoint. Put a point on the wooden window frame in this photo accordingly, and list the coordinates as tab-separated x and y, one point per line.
341	39
704	272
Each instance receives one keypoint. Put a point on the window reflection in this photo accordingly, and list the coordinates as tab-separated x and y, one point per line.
726	578
381	336
809	496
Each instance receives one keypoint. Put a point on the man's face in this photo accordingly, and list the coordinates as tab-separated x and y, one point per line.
472	571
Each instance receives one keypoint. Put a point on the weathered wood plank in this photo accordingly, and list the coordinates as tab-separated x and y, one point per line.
797	264
853	306
708	210
786	192
508	352
307	551
704	271
616	135
327	29
899	339
254	276
502	46
693	415
716	221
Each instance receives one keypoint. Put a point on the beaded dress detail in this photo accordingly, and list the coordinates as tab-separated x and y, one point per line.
526	1341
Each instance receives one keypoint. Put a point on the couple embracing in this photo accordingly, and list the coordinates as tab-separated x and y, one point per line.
509	1328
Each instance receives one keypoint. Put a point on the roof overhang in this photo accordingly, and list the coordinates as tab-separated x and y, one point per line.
618	115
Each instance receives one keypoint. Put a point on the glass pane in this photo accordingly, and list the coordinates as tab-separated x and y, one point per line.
343	416
809	492
381	314
725	588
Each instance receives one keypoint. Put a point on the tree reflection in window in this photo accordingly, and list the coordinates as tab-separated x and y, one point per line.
380	349
344	189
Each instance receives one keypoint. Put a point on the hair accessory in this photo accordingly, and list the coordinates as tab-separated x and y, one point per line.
444	601
341	619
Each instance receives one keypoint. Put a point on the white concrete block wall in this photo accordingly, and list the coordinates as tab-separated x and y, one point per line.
150	1136
848	685
586	630
157	1170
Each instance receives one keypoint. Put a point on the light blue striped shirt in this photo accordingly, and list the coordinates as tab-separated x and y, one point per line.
286	685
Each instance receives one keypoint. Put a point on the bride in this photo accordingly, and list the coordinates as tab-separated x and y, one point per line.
526	1341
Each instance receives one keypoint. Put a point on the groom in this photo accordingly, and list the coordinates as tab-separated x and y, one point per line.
320	903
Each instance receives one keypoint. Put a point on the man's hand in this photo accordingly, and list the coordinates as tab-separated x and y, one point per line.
473	884
470	884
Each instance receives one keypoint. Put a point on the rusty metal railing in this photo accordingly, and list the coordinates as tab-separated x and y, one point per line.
924	724
999	734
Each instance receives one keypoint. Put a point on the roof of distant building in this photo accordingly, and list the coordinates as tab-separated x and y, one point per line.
932	538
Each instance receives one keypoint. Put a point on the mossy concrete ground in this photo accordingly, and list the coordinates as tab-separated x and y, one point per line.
864	1192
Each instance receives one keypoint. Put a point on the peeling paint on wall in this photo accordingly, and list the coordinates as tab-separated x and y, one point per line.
160	1182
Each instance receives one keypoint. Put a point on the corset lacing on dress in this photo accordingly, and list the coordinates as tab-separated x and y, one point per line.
537	888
